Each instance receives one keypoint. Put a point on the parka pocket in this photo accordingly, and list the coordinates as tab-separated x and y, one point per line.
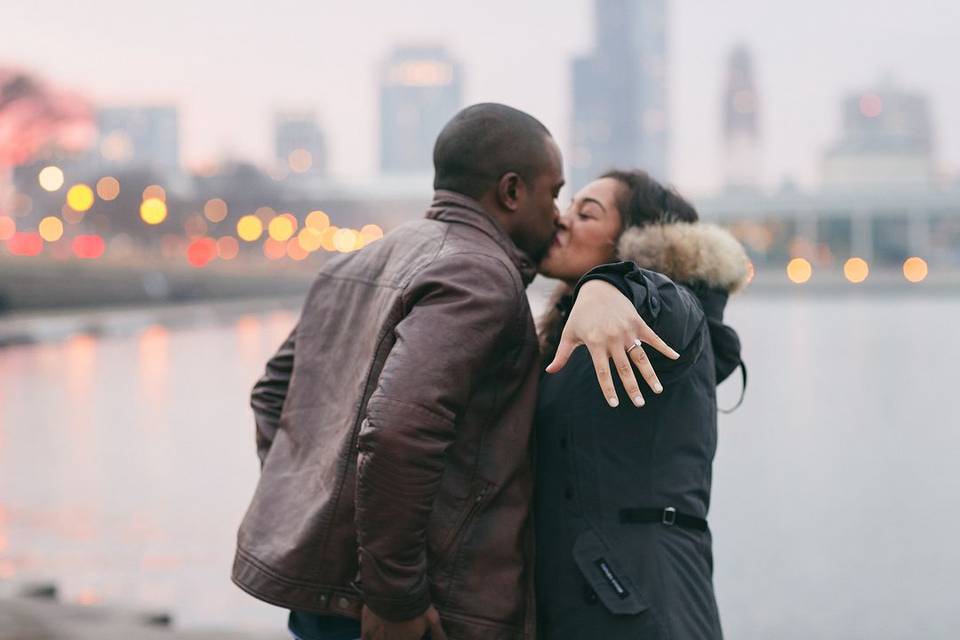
608	574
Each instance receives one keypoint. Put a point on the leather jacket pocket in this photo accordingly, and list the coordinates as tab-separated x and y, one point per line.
471	508
608	574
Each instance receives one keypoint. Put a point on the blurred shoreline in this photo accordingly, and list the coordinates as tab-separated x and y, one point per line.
114	300
50	325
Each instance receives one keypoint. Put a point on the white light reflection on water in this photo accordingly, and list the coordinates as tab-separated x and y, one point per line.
126	464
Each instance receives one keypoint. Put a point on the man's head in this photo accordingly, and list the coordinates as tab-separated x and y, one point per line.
508	161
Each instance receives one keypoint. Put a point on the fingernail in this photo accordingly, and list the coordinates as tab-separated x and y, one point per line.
639	401
658	387
613	401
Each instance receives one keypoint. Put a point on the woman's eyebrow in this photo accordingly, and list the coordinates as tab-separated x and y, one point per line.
596	202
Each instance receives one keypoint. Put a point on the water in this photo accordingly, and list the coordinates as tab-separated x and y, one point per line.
126	464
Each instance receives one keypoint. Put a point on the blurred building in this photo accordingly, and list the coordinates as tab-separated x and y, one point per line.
147	137
421	88
886	141
741	128
620	115
299	144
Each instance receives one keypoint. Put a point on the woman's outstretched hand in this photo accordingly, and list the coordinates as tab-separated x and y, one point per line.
606	322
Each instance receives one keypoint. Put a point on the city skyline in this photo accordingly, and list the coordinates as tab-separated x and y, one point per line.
226	90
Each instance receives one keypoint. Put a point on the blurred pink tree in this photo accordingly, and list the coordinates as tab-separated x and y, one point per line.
34	118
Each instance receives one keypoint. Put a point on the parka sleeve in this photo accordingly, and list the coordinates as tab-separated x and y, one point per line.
457	315
671	310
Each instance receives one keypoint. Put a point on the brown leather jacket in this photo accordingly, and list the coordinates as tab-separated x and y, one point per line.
394	427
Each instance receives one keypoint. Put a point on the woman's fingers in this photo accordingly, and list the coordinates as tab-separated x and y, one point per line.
625	370
601	363
564	349
640	359
647	335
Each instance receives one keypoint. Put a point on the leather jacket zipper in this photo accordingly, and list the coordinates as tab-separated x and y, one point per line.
465	520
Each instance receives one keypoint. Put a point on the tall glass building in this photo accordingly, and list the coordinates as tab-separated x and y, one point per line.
420	90
620	114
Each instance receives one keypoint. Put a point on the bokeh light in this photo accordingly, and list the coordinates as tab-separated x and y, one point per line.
346	240
227	248
309	238
856	270
116	147
50	178
71	216
153	211
88	247
201	251
915	269
266	214
249	228
292	218
300	160
871	105
317	220
326	238
108	188
80	197
50	229
280	229
195	225
799	270
295	251
25	244
8	227
370	233
274	249
215	210
155	191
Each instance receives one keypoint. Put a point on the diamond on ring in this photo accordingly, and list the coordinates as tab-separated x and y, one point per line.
636	343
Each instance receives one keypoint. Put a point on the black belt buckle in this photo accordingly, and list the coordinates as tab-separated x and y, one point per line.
669	516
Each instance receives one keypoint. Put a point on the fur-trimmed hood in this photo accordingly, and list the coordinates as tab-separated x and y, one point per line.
688	253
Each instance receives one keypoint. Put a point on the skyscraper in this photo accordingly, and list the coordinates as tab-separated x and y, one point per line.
620	114
298	142
420	90
741	129
887	140
140	136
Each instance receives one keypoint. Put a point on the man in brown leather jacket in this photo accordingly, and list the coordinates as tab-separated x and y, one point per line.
393	426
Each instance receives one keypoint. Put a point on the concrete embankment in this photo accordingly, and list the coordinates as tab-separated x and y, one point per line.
34	612
38	283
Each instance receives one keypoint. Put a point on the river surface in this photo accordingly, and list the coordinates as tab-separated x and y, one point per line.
126	462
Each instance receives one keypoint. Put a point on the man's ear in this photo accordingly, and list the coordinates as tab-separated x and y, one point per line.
509	191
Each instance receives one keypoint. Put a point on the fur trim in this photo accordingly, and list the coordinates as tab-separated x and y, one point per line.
688	253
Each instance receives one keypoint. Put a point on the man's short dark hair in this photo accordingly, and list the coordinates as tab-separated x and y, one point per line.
485	141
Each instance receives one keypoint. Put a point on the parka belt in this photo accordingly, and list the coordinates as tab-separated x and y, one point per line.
667	516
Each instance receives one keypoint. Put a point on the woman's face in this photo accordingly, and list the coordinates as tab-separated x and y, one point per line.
588	232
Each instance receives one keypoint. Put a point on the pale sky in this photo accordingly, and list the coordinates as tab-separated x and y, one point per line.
229	65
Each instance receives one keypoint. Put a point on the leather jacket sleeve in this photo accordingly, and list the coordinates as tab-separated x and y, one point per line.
459	311
269	394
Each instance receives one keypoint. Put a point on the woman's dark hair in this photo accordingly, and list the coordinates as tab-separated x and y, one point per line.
642	201
645	201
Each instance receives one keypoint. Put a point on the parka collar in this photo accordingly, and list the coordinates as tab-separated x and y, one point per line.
699	255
